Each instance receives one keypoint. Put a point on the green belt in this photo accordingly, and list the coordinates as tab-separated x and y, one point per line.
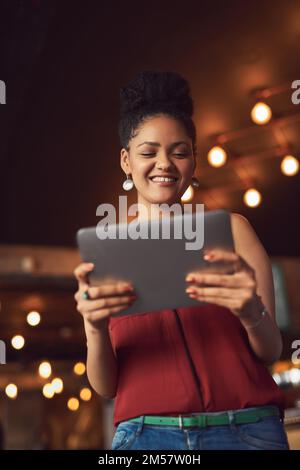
211	419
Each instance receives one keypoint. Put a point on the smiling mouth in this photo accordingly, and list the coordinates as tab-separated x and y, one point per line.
163	179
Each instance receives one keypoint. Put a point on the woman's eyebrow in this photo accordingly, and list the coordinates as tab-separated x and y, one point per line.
157	144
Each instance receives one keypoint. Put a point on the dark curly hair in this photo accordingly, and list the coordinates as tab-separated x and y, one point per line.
151	94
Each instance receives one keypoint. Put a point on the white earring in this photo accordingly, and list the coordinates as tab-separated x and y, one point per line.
128	183
195	182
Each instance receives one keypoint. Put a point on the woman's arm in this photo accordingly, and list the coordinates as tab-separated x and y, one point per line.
265	339
96	304
245	288
101	361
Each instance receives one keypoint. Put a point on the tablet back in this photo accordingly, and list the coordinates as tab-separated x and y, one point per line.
156	267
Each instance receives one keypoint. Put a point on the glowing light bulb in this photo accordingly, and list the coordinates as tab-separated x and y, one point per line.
261	113
289	165
73	404
217	156
57	385
18	342
33	318
45	370
188	194
294	375
11	391
85	394
252	198
79	368
48	390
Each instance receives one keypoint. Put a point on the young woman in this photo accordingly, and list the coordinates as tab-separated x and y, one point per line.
189	378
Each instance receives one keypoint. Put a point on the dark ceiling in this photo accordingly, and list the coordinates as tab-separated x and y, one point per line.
63	63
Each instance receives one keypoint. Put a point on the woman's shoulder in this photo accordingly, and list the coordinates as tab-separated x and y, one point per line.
243	233
238	219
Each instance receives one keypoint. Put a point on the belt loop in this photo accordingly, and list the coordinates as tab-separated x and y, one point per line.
180	422
140	425
231	417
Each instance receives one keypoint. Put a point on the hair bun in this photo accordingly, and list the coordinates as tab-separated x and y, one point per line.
156	91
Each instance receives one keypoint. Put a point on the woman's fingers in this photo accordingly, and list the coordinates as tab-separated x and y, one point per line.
218	292
231	304
82	271
110	290
102	300
84	306
98	315
218	254
233	289
237	280
234	261
230	259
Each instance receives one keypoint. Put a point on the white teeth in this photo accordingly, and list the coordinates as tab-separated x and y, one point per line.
160	178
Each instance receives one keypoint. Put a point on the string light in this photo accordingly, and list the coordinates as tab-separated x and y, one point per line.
252	197
73	404
79	368
289	165
291	376
188	194
261	113
48	390
11	391
85	394
294	375
217	156
45	370
57	385
33	318
18	342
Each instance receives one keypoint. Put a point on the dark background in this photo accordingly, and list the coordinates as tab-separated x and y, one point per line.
63	63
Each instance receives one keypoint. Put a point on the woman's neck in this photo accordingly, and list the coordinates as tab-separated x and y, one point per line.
149	211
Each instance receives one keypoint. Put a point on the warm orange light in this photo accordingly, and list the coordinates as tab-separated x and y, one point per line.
217	156
79	368
45	370
261	113
85	394
252	198
48	390
188	194
11	391
18	342
281	366
33	318
289	165
57	385
73	404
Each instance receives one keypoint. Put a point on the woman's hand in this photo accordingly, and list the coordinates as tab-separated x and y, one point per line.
233	287
102	300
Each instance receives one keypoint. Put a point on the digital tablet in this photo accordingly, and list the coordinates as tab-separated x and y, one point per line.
157	261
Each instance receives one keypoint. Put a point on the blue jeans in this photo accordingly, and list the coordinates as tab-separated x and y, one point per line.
266	434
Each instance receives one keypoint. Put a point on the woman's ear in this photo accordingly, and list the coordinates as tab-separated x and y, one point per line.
124	161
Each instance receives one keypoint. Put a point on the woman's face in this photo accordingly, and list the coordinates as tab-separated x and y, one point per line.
160	160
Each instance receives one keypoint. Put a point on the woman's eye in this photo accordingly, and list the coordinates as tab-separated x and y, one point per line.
181	155
176	154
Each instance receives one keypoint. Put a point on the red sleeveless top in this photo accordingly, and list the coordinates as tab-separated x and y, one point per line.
155	375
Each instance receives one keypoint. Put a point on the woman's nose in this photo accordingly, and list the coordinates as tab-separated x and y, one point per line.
163	163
